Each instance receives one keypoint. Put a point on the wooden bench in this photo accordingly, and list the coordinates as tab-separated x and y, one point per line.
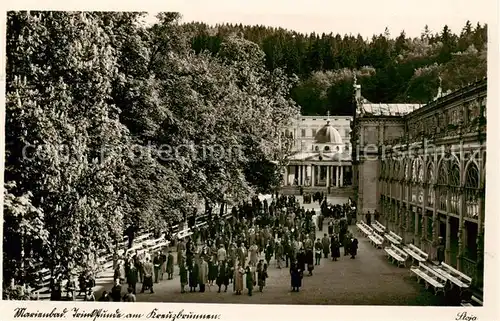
143	243
396	238
396	255
456	273
415	253
473	302
430	277
376	240
363	229
378	227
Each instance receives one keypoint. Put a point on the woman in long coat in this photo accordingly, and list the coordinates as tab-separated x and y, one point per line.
301	260
254	249
310	261
296	276
262	276
170	265
194	272
212	271
354	248
250	279
238	279
184	278
203	276
222	276
335	248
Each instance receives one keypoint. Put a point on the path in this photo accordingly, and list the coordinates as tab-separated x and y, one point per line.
367	280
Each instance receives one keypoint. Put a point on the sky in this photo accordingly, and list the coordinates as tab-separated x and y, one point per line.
366	17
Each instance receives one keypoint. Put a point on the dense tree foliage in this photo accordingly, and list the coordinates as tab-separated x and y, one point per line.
112	124
401	69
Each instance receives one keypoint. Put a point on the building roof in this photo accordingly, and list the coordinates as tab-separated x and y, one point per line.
382	109
320	156
327	135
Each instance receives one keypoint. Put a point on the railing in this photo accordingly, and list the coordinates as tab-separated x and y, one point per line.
142	243
469	267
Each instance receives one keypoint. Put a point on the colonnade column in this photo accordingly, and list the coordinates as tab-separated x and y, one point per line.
313	174
337	176
285	178
327	176
341	176
448	240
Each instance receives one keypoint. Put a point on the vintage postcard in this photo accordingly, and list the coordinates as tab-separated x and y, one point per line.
249	160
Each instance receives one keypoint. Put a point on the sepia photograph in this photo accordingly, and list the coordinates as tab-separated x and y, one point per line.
174	157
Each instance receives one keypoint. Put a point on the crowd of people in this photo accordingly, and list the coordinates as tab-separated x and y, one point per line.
240	248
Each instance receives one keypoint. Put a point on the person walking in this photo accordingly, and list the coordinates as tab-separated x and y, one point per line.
148	276
238	279
129	296
262	276
326	245
193	277
116	291
335	248
249	279
132	277
318	247
170	265
203	274
183	276
354	248
222	276
295	276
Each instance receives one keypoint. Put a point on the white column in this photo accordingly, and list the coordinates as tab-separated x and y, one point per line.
327	176
338	176
285	178
304	172
313	174
341	176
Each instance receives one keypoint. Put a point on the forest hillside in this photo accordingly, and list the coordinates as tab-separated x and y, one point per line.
391	69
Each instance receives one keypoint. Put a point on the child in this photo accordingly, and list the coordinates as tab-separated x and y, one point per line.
262	277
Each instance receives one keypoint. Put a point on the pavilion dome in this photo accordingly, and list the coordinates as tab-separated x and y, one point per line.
328	135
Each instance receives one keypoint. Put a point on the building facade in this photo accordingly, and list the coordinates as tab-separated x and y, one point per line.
320	154
423	169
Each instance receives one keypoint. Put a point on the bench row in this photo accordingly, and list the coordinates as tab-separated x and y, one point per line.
142	243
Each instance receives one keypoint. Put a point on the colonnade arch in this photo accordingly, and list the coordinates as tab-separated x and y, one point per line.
426	196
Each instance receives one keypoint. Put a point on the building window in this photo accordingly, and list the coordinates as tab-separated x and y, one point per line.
316	148
327	148
303	132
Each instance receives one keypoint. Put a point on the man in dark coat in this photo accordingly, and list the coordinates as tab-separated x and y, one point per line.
222	276
440	250
302	260
132	277
194	272
326	245
354	248
116	291
330	227
347	244
296	276
335	248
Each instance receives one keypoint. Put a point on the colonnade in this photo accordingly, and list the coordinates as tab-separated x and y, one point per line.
311	175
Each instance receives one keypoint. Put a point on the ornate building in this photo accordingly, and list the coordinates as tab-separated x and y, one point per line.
320	155
423	169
